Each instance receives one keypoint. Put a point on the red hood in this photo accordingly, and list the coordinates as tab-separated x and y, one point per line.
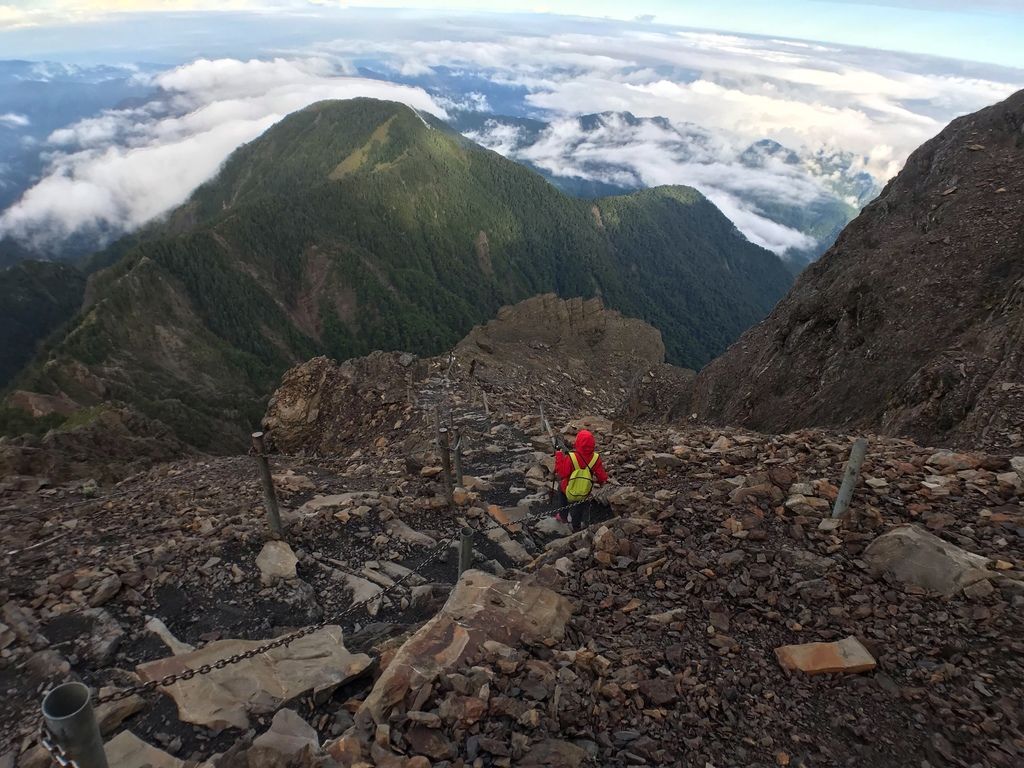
584	444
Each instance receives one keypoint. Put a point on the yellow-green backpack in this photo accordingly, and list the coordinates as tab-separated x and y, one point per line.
581	481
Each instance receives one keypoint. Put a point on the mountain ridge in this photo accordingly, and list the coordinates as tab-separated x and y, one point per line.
913	323
360	225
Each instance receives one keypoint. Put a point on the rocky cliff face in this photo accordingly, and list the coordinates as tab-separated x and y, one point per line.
913	323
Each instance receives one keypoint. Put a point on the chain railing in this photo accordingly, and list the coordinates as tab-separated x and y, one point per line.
60	756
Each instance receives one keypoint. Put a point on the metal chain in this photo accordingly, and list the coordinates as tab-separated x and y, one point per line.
284	640
57	753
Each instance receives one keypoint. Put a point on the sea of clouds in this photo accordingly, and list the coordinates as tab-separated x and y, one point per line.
117	170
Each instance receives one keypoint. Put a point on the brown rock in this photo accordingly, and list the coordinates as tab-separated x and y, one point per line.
553	753
847	655
430	742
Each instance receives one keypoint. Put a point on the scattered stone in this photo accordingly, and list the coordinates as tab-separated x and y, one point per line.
176	647
106	591
399	530
111	714
276	561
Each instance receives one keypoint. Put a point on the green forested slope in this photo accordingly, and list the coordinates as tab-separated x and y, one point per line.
35	298
352	226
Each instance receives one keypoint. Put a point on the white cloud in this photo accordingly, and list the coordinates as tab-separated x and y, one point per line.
631	154
14	120
876	104
125	167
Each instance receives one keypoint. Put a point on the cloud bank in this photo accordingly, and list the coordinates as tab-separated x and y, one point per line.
116	171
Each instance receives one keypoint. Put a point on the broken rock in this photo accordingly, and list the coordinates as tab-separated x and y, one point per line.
481	607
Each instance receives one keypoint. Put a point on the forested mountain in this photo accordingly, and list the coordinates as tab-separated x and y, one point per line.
360	225
35	298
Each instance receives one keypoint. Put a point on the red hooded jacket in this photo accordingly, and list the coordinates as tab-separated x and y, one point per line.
584	452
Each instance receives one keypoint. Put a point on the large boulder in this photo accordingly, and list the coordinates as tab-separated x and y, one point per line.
316	663
915	557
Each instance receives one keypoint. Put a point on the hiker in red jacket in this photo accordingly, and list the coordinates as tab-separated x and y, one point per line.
586	464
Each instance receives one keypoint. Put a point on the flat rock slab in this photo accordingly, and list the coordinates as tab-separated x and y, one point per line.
481	607
916	557
848	655
318	662
126	750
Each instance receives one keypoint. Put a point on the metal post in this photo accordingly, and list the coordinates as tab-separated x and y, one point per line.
446	459
457	455
466	550
269	494
850	476
68	713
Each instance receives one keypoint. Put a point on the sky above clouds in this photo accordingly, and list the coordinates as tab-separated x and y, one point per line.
980	30
221	77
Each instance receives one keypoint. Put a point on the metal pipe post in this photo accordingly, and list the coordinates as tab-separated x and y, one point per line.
466	550
68	713
446	463
269	494
457	455
850	476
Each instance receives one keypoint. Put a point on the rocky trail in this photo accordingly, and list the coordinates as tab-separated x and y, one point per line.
720	618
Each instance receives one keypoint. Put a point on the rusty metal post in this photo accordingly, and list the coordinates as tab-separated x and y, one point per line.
269	494
466	550
457	455
445	450
850	476
71	721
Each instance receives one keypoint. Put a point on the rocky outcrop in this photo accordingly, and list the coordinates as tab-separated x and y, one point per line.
105	443
571	354
322	404
913	323
590	343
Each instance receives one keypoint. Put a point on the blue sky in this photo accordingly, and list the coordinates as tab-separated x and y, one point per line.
980	30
